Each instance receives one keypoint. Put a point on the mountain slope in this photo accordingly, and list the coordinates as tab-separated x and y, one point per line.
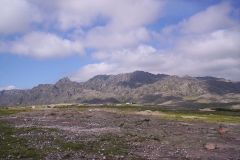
138	86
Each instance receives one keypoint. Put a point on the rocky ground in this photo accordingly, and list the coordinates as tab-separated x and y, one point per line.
110	133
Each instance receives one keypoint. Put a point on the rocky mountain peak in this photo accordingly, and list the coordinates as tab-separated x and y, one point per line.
140	75
137	86
100	78
63	80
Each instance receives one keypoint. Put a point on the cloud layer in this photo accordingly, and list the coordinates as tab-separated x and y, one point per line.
119	36
58	28
211	48
17	16
44	45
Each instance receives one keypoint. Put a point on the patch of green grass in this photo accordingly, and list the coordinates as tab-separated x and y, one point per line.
237	111
220	115
113	145
73	146
15	143
26	143
108	145
202	116
68	145
9	111
13	147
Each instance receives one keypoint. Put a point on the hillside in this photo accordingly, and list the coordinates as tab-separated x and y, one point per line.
137	87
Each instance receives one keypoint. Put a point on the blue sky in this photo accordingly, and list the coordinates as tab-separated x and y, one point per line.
42	41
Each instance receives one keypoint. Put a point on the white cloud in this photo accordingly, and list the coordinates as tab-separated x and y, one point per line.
103	24
16	16
119	61
215	54
124	14
218	44
112	24
213	18
105	38
125	60
45	45
10	87
206	43
91	70
150	59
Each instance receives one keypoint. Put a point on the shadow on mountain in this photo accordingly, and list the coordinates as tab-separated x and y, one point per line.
101	101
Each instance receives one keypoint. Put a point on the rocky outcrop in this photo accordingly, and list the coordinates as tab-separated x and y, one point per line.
138	87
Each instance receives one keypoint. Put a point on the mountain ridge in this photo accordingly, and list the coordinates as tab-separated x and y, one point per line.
137	87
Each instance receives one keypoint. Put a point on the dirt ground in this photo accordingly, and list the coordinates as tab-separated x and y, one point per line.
96	133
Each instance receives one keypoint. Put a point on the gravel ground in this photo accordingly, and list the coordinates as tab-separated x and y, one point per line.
108	134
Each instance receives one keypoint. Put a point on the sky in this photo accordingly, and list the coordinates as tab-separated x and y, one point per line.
42	41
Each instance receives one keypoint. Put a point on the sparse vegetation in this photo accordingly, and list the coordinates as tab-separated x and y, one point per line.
114	132
8	111
220	115
14	147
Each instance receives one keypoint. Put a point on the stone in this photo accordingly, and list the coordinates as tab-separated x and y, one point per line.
210	146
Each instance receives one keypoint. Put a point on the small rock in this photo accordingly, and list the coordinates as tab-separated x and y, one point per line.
121	125
146	120
210	146
222	130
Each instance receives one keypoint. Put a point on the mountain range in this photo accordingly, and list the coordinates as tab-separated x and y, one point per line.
136	87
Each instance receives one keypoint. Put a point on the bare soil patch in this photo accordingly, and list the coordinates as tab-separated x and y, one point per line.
109	134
